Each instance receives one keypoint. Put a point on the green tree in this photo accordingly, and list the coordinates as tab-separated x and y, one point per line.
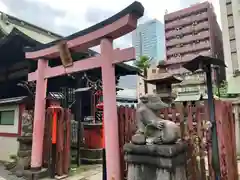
221	91
143	63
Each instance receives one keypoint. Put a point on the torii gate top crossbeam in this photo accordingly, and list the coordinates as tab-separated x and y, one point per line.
114	27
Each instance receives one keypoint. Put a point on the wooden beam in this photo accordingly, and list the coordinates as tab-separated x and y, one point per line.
123	55
118	28
85	64
81	65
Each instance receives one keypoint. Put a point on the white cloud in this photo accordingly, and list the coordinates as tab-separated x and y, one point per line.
4	8
75	9
75	12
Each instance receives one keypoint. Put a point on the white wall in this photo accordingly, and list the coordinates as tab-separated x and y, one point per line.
9	145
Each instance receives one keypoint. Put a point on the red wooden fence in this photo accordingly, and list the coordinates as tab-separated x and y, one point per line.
196	130
63	141
194	122
127	127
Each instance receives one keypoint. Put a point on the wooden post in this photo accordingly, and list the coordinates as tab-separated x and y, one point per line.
211	106
79	115
39	116
110	111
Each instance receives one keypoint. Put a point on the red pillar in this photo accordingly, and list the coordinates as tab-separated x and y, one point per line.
39	116
110	111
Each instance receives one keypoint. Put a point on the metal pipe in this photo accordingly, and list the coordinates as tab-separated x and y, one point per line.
211	106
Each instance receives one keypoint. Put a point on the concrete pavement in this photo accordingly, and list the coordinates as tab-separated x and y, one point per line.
89	174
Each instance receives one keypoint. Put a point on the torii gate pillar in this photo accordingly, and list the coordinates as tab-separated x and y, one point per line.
39	115
110	113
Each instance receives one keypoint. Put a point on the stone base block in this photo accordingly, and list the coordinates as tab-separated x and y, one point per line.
156	162
91	156
35	175
146	172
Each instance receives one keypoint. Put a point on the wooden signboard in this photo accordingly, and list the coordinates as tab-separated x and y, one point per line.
65	54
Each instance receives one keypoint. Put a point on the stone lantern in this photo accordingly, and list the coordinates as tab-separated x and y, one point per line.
163	81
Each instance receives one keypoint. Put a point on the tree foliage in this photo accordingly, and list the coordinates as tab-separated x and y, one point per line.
143	63
222	91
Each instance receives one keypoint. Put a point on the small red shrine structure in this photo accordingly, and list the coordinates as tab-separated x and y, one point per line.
102	33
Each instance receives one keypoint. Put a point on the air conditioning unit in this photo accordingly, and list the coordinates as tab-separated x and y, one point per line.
236	73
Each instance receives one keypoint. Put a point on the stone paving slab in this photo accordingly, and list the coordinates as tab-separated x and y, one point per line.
91	174
95	177
6	175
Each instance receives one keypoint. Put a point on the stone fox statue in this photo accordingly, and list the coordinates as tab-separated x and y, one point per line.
154	129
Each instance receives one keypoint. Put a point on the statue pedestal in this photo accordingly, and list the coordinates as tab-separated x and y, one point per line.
156	162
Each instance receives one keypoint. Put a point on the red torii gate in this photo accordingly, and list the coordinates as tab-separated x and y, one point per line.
102	33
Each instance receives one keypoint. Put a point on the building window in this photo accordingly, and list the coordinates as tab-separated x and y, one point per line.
195	33
232	33
233	45
194	23
229	9
178	28
234	61
7	117
230	21
154	70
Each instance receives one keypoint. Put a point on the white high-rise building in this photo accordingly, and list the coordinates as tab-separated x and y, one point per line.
230	15
148	40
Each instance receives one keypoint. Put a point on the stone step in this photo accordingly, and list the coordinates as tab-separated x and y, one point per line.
91	161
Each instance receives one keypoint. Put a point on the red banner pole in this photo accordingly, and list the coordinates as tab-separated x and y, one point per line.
54	127
54	141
